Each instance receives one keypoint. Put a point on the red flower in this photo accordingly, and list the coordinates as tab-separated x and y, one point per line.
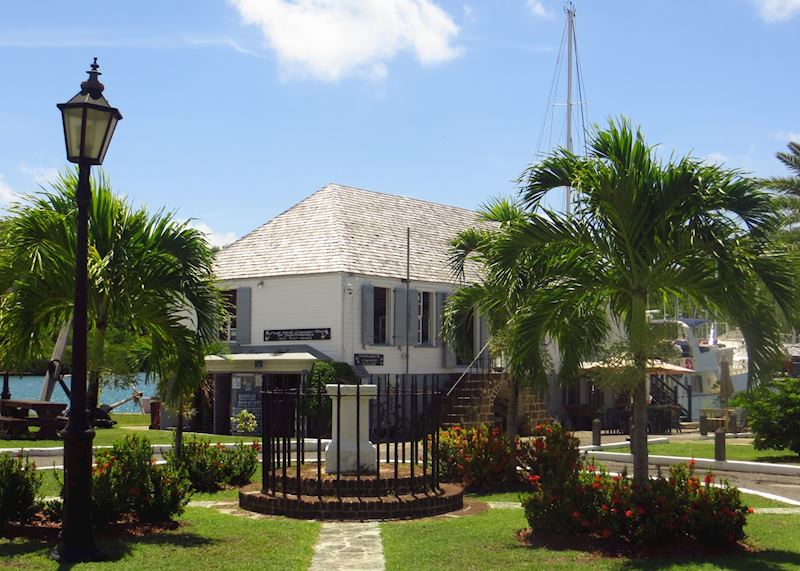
641	510
538	444
576	515
606	533
534	479
585	523
629	513
750	510
709	478
692	462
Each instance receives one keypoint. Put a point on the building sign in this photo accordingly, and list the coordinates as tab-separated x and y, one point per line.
320	334
368	359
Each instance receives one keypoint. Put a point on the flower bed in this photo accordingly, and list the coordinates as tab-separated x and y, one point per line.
567	498
478	457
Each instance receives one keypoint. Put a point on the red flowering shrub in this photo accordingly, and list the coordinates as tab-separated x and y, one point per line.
551	452
125	480
478	457
667	509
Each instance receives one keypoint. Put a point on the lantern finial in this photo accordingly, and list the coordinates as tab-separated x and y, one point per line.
92	86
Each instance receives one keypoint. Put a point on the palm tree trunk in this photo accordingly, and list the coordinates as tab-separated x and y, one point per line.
512	421
179	431
639	334
639	434
95	366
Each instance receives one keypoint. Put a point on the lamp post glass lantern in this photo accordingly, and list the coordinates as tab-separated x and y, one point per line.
89	123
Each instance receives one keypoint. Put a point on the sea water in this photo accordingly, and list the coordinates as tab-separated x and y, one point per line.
29	387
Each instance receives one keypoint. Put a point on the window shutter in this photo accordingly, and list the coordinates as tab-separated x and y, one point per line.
448	357
243	315
367	314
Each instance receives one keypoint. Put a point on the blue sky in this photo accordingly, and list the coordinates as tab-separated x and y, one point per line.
235	110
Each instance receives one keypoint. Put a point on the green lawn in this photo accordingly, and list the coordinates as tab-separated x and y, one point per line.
705	449
206	539
487	541
126	424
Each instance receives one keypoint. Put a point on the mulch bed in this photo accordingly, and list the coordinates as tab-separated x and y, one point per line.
614	548
39	527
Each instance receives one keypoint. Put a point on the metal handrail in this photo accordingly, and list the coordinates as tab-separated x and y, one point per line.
467	370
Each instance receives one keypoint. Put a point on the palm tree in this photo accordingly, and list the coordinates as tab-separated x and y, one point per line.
788	184
503	295
148	273
642	229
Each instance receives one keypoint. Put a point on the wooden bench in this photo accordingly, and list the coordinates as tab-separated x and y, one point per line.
713	418
13	426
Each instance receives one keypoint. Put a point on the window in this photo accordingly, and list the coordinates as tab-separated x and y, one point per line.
379	319
424	303
469	325
228	332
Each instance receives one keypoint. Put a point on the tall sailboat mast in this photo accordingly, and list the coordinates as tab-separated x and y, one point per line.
570	9
551	134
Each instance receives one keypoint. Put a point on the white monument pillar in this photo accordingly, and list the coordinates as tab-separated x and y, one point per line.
348	433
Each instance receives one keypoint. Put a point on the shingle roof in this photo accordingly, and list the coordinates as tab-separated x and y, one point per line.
340	228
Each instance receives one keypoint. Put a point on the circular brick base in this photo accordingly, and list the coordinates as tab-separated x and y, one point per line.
407	506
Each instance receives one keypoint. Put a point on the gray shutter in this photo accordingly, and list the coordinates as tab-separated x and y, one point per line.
243	312
399	305
367	314
483	338
448	357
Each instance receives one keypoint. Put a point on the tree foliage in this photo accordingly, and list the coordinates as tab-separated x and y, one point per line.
641	229
149	275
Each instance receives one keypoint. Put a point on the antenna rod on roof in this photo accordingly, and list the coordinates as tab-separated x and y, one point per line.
408	296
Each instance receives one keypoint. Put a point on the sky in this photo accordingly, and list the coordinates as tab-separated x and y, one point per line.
234	110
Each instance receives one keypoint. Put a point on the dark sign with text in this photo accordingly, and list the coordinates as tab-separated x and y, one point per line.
373	359
320	334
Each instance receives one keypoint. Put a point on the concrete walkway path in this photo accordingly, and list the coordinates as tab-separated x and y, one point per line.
349	545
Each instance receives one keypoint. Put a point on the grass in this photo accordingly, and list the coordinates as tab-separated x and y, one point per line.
126	424
487	541
206	539
733	451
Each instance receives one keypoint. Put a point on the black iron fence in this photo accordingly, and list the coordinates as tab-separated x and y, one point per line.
394	451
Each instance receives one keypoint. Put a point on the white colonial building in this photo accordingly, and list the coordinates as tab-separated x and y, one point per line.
326	279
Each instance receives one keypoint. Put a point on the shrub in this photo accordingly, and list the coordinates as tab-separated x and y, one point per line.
202	462
478	457
667	509
171	491
774	414
240	463
126	480
244	421
19	485
551	453
209	467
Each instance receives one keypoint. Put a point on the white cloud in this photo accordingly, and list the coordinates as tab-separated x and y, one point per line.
777	10
788	136
716	158
6	193
332	39
537	9
40	175
214	238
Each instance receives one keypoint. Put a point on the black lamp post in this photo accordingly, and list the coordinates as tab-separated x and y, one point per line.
89	123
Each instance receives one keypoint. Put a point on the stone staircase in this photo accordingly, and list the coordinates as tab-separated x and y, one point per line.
465	402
